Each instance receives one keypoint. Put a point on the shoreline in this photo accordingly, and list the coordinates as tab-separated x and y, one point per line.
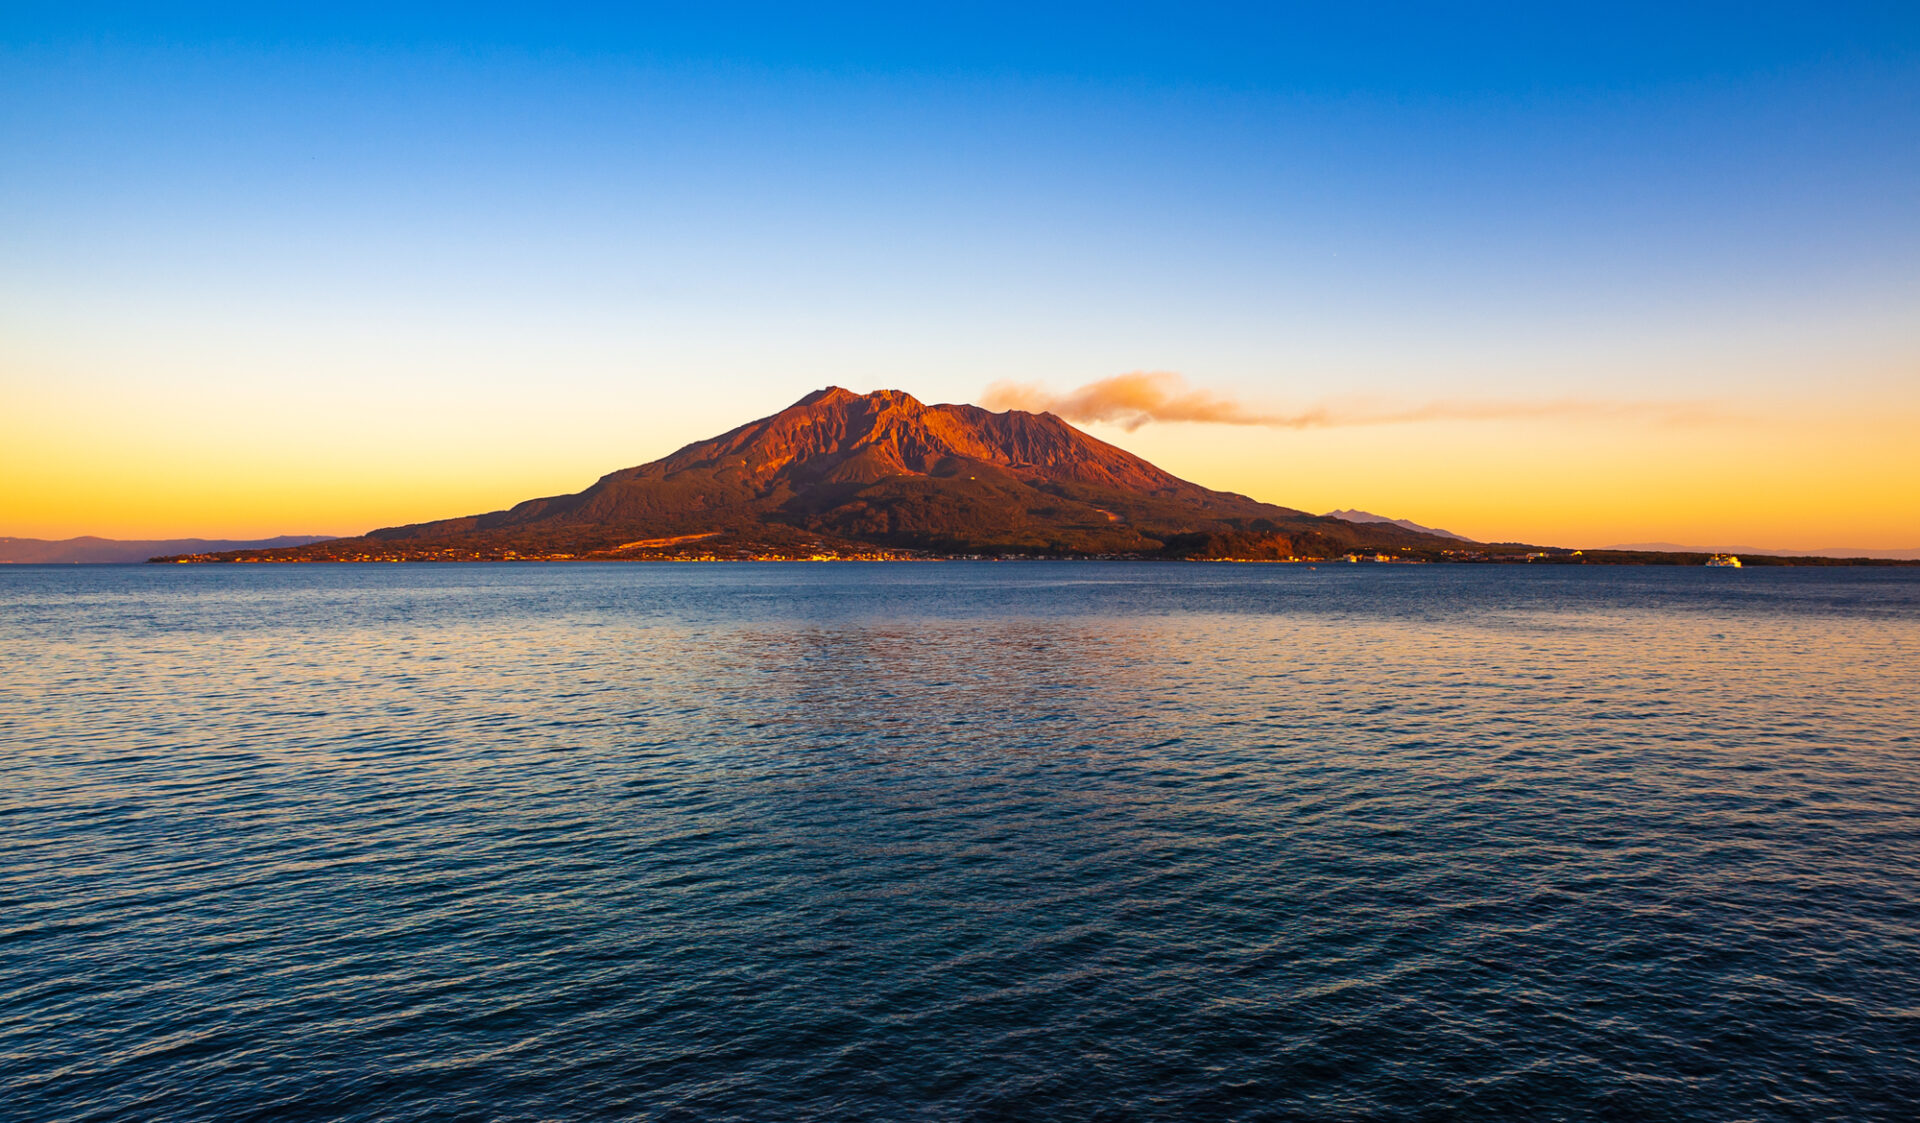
1576	558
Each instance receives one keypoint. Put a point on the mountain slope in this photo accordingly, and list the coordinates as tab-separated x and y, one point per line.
842	472
1354	516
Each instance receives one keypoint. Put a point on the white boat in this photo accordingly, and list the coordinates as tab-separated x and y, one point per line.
1724	561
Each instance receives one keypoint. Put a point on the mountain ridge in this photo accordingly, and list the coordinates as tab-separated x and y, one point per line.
881	475
838	473
1357	516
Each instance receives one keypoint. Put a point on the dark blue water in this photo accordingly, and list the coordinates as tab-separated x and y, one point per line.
1065	841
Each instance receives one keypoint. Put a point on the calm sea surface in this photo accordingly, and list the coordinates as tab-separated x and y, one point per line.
1052	841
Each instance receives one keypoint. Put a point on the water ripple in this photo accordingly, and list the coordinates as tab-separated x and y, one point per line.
1099	841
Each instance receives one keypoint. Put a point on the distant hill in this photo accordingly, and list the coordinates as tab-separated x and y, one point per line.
845	474
1762	551
1353	516
111	551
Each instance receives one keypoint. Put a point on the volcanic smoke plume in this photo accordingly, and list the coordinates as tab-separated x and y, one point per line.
1132	400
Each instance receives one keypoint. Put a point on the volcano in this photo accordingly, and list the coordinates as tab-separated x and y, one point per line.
880	474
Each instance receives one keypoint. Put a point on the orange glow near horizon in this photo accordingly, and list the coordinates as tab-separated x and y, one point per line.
1788	480
1806	478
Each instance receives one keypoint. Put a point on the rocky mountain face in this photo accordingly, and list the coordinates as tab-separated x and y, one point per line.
839	472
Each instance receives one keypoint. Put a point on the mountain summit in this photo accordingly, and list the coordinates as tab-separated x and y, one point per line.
837	436
839	472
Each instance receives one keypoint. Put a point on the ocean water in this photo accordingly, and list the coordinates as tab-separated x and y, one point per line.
1075	841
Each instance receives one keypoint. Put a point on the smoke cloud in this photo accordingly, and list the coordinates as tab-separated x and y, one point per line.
1132	400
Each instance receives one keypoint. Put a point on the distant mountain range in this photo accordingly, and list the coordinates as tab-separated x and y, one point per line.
108	551
1353	516
1829	552
844	474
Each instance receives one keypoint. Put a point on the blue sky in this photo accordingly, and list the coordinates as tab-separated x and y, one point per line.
583	240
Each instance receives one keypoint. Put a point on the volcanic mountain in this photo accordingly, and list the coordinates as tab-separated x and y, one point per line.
841	473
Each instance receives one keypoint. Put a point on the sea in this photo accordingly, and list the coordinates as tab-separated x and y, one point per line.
959	841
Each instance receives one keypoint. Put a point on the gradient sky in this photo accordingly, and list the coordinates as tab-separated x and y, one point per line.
1635	273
